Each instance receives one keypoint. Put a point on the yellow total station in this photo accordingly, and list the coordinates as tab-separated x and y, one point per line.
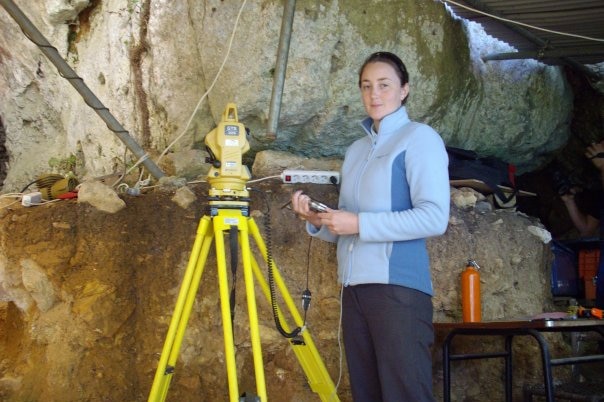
226	145
229	213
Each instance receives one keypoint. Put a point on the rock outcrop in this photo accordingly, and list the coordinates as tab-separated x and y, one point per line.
167	70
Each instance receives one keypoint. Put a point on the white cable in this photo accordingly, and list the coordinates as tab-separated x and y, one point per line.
197	181
138	162
264	178
521	23
11	195
10	203
44	202
16	196
211	85
122	188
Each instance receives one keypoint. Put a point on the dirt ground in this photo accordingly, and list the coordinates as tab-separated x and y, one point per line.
88	297
89	320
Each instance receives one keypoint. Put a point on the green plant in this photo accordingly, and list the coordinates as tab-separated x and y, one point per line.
132	4
64	165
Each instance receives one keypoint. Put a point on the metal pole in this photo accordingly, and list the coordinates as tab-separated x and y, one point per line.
280	67
78	83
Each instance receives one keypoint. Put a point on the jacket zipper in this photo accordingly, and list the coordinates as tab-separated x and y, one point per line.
351	246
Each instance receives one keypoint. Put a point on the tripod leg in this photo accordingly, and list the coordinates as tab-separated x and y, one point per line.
231	222
246	255
308	356
182	311
225	306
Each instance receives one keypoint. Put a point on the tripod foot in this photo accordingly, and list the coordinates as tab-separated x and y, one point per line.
249	398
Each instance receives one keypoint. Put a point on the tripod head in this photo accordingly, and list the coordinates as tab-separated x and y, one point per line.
228	176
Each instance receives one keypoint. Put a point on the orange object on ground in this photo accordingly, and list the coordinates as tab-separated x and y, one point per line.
470	293
588	263
584	312
590	287
588	269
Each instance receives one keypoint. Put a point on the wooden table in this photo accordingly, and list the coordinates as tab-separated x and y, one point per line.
510	329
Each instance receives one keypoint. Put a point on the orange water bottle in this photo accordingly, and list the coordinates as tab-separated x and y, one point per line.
470	293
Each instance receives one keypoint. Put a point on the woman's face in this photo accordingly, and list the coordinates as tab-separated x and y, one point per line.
381	90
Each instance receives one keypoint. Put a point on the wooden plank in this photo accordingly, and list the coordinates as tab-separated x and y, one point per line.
482	187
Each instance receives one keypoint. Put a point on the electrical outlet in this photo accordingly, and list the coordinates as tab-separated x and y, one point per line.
291	176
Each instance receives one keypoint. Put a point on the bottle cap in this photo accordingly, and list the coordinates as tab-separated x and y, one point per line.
473	264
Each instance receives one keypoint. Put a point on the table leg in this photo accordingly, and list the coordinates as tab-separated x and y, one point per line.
447	367
509	370
547	368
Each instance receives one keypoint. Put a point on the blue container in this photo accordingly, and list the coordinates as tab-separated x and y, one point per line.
565	274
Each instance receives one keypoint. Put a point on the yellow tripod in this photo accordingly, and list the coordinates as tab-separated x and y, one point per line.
213	228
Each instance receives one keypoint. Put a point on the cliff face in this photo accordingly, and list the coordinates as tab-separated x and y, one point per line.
167	70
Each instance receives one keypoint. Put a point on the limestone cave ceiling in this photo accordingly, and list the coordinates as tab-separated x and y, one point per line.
554	32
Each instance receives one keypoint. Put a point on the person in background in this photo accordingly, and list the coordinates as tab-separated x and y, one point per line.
595	152
583	214
587	218
394	194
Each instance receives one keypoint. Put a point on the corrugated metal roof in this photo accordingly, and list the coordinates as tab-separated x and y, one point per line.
582	18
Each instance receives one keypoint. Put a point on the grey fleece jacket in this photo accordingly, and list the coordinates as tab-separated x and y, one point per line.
398	183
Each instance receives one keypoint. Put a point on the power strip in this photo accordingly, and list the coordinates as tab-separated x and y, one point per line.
291	176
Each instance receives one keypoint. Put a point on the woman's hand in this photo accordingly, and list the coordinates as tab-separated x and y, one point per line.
300	205
340	222
595	152
569	196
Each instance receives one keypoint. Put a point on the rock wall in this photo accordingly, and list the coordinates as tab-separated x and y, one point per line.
167	70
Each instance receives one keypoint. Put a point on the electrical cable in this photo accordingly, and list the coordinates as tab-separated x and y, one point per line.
271	282
17	197
145	156
184	130
233	236
334	181
76	77
271	279
521	23
27	186
211	85
264	178
8	205
306	295
138	162
125	171
197	181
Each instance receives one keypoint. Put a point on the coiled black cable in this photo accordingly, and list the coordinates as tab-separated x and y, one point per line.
271	278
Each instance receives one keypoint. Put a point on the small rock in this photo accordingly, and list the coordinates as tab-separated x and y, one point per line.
100	196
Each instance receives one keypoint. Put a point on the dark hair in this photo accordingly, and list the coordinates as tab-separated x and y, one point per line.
394	61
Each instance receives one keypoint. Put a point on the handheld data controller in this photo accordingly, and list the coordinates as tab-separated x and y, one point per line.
317	206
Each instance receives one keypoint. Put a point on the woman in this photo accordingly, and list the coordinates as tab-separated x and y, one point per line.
394	193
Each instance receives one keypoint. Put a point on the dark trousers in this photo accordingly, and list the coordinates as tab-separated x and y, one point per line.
388	334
